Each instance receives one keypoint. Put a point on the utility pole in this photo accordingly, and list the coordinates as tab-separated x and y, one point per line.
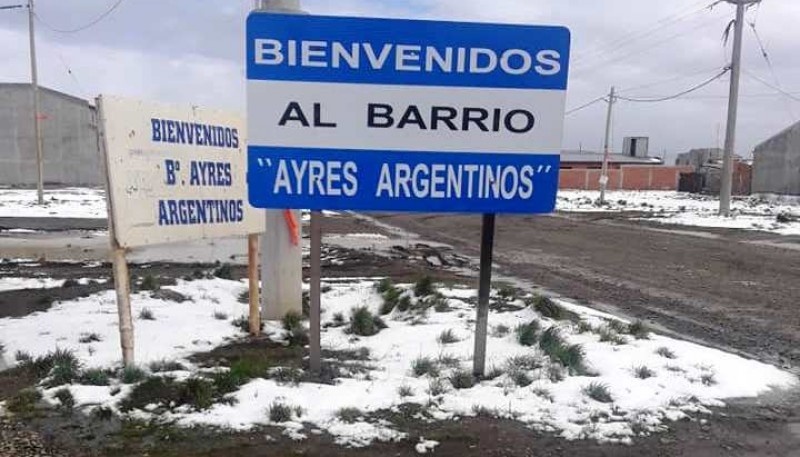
37	127
607	147
281	257
733	108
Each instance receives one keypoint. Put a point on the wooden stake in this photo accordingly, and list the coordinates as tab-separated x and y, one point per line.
253	278
122	285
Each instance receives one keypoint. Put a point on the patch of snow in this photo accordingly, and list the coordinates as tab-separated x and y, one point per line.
7	284
424	446
695	379
64	203
677	208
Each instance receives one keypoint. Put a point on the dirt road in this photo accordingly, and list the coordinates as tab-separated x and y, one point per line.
731	289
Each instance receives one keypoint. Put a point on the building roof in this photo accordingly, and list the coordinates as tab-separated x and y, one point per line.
574	156
48	90
783	132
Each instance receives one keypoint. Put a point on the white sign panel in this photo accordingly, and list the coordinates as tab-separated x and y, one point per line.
175	173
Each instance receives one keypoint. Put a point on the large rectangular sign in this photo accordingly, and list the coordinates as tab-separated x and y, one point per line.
175	173
402	115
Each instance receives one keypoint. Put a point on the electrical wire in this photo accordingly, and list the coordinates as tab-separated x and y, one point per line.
771	86
596	100
679	94
666	81
84	27
767	58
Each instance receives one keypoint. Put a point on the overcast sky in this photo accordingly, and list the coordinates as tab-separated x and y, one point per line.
192	51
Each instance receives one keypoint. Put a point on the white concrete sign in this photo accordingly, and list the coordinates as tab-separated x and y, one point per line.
175	173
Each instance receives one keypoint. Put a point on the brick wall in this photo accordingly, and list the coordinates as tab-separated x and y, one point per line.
627	178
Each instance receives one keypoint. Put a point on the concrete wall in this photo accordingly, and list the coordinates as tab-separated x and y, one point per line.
69	137
776	166
626	178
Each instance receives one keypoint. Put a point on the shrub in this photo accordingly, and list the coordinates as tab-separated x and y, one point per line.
572	358
447	337
65	398
552	310
42	366
507	292
24	401
448	361
404	304
436	387
349	415
617	326
338	319
220	316
364	323
462	379
643	372
162	366
224	271
285	375
556	373
405	391
149	282
500	331
424	287
94	377
298	337
527	333
65	369
438	302
585	327
132	375
425	366
292	321
520	377
666	353
156	390
146	314
22	356
280	412
391	298
639	330
708	379
551	341
524	362
197	392
384	284
86	338
242	323
598	392
608	335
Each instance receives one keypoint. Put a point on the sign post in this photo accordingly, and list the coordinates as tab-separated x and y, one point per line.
401	115
173	174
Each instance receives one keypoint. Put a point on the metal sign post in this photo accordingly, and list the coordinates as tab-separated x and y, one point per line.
484	290
315	344
401	115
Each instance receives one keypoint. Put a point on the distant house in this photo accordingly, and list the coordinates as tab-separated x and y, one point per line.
574	159
707	174
69	138
776	164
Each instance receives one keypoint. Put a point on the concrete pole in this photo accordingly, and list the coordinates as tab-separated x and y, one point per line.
37	127
607	148
281	260
733	109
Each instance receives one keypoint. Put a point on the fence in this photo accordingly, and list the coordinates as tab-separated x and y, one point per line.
633	177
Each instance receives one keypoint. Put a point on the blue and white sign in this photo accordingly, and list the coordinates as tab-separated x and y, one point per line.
402	115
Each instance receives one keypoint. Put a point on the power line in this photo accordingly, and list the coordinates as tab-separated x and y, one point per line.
767	58
11	7
666	81
679	94
575	110
84	27
771	86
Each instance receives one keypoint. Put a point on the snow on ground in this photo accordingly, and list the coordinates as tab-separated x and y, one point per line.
684	378
748	213
70	202
7	284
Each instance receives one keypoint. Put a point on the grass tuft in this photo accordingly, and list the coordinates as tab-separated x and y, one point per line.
708	379
639	330
349	415
448	361
438	302
666	353
149	282
391	297
220	316
70	283
280	412
524	362
551	341
543	392
424	287
146	314
405	391
24	401
132	375
643	372
447	337
609	335
94	377
501	331
520	377
86	338
436	387
284	375
425	366
339	320
224	271
598	392
198	393
364	323
163	366
65	399
22	357
103	413
528	333
462	379
384	284
65	369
